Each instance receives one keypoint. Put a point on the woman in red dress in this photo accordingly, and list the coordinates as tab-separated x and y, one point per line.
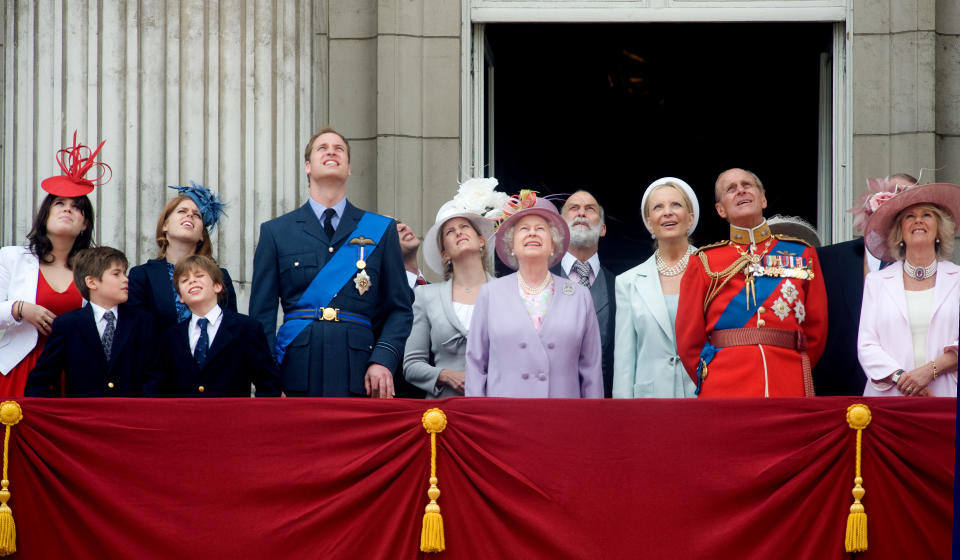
36	281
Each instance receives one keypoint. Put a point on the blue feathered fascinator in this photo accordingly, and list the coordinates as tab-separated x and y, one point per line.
207	202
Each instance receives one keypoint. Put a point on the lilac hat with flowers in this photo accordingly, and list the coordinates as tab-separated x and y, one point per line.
525	204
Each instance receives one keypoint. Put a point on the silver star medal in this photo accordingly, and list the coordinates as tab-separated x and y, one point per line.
362	282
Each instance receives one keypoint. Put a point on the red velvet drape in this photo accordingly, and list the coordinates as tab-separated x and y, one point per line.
336	478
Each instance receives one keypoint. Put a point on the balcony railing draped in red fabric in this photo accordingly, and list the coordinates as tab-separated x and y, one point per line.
336	478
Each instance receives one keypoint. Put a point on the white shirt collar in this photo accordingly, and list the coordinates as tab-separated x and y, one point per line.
412	278
98	312
566	263
213	316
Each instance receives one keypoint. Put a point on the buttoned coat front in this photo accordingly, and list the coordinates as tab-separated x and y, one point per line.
508	357
330	358
885	345
645	360
436	331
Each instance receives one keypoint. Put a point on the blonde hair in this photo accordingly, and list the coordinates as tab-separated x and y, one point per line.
945	231
683	196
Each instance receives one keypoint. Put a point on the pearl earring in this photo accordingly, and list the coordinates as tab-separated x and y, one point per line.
653	236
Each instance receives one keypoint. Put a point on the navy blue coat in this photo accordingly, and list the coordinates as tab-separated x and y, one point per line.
150	290
238	357
74	348
838	372
330	358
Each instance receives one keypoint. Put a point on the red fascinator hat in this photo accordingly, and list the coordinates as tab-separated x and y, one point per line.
75	162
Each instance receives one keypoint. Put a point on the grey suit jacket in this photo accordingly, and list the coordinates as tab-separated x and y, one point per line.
436	331
605	303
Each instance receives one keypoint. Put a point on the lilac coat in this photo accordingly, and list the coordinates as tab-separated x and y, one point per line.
508	357
885	344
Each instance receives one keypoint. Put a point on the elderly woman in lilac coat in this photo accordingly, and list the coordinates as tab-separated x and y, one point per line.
533	334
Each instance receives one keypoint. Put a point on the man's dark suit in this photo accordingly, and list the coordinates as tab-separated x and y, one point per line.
605	303
838	372
330	358
150	290
75	348
238	356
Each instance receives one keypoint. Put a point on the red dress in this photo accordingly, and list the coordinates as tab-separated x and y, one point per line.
58	303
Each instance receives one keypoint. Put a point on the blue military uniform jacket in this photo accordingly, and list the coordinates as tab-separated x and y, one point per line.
330	358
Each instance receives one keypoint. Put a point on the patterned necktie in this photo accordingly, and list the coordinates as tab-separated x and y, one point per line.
583	269
328	215
108	331
203	344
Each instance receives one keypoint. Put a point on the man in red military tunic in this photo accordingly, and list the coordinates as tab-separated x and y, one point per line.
752	318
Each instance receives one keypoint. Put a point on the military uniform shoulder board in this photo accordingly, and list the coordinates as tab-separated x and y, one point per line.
712	246
791	238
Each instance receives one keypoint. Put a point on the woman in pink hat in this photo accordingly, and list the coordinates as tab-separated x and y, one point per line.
907	343
36	281
533	334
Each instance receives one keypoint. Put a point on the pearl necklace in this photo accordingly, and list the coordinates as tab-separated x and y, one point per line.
675	269
920	272
534	291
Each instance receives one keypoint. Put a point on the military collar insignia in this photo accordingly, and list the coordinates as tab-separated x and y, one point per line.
750	236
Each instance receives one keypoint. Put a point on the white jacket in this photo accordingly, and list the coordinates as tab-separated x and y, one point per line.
19	273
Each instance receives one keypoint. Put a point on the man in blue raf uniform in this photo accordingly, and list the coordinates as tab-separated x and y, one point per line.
338	273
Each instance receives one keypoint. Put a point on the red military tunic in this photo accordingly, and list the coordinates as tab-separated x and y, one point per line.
755	370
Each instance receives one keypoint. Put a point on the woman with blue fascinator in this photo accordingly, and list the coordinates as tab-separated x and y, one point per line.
182	230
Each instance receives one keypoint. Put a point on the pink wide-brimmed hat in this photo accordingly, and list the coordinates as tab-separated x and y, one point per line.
883	208
526	204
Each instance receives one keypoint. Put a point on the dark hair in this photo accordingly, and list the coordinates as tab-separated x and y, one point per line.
94	262
204	246
207	265
41	246
317	134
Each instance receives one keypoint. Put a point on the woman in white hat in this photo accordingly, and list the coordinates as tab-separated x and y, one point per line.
645	361
533	334
455	247
907	343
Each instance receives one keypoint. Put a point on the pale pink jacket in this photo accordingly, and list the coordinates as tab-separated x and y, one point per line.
884	344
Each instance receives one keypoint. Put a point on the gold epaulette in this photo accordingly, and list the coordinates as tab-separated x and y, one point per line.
712	246
791	238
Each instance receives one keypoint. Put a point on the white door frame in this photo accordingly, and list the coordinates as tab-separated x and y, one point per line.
835	189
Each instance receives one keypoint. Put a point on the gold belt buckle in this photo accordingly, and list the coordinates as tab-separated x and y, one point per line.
330	314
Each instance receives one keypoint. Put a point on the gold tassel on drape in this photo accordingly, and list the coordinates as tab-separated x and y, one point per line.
10	414
431	535
858	417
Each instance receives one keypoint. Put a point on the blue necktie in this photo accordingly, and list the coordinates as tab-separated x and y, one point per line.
200	352
107	338
328	215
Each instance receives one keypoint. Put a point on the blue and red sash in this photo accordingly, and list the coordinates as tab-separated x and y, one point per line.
331	278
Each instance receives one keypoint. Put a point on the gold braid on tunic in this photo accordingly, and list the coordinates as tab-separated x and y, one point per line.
719	279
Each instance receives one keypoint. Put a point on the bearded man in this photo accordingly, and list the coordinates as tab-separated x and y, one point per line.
585	217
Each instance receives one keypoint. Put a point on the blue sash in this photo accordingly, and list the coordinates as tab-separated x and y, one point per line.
740	308
332	278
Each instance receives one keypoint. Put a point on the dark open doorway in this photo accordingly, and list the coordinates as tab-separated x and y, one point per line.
612	107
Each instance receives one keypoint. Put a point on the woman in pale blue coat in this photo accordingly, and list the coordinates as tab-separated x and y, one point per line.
645	361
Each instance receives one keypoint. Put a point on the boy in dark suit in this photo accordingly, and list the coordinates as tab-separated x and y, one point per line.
218	352
103	349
